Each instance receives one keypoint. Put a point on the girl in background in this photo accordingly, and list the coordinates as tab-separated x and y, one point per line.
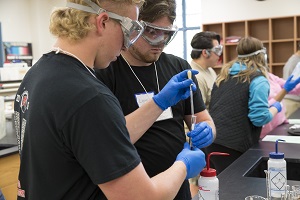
239	102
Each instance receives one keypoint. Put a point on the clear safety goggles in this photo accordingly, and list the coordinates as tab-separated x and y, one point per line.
156	35
263	50
218	50
132	29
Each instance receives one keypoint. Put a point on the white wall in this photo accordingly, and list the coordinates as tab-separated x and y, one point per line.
28	20
235	10
15	20
40	17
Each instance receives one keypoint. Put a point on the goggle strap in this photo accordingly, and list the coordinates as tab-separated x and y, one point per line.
94	6
216	47
197	49
115	16
252	54
85	8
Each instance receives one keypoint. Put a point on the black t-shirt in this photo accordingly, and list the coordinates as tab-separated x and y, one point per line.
72	132
160	145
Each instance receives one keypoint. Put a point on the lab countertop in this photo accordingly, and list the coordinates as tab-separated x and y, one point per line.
234	181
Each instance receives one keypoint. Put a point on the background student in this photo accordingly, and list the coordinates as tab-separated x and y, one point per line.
278	90
205	55
291	101
140	73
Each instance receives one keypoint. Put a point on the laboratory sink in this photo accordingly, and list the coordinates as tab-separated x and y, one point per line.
292	168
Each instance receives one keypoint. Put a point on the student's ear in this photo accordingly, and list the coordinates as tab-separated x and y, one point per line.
101	21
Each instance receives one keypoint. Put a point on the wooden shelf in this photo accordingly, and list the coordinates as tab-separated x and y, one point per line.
259	29
298	27
282	51
280	36
235	28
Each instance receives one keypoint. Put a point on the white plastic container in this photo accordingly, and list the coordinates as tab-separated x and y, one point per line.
208	186
208	182
277	173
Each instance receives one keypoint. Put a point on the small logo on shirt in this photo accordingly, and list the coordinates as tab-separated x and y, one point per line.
21	193
24	103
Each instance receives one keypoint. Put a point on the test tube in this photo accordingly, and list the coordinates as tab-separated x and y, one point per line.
193	122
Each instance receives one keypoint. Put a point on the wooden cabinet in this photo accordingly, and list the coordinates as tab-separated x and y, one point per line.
280	36
9	170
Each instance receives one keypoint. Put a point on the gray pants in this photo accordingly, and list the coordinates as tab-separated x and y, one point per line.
291	106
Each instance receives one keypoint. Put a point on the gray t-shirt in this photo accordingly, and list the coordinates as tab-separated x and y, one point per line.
290	66
288	70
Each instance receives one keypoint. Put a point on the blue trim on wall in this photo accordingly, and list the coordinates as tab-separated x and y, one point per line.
184	29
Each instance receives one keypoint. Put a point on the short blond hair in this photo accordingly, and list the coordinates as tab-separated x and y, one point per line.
74	24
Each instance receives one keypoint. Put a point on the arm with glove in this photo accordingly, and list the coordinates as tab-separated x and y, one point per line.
177	89
204	131
188	164
202	135
289	85
194	160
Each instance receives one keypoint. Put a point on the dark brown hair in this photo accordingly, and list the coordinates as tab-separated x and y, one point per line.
203	40
154	9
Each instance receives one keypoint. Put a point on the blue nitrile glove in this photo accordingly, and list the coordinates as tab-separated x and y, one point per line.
194	160
277	105
178	88
291	84
202	135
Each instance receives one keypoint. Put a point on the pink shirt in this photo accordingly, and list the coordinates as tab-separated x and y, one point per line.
276	85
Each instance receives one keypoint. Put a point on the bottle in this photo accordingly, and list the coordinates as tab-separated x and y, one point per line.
208	182
277	173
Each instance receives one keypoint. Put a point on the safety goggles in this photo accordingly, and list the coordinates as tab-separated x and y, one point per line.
132	29
156	35
263	50
218	50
